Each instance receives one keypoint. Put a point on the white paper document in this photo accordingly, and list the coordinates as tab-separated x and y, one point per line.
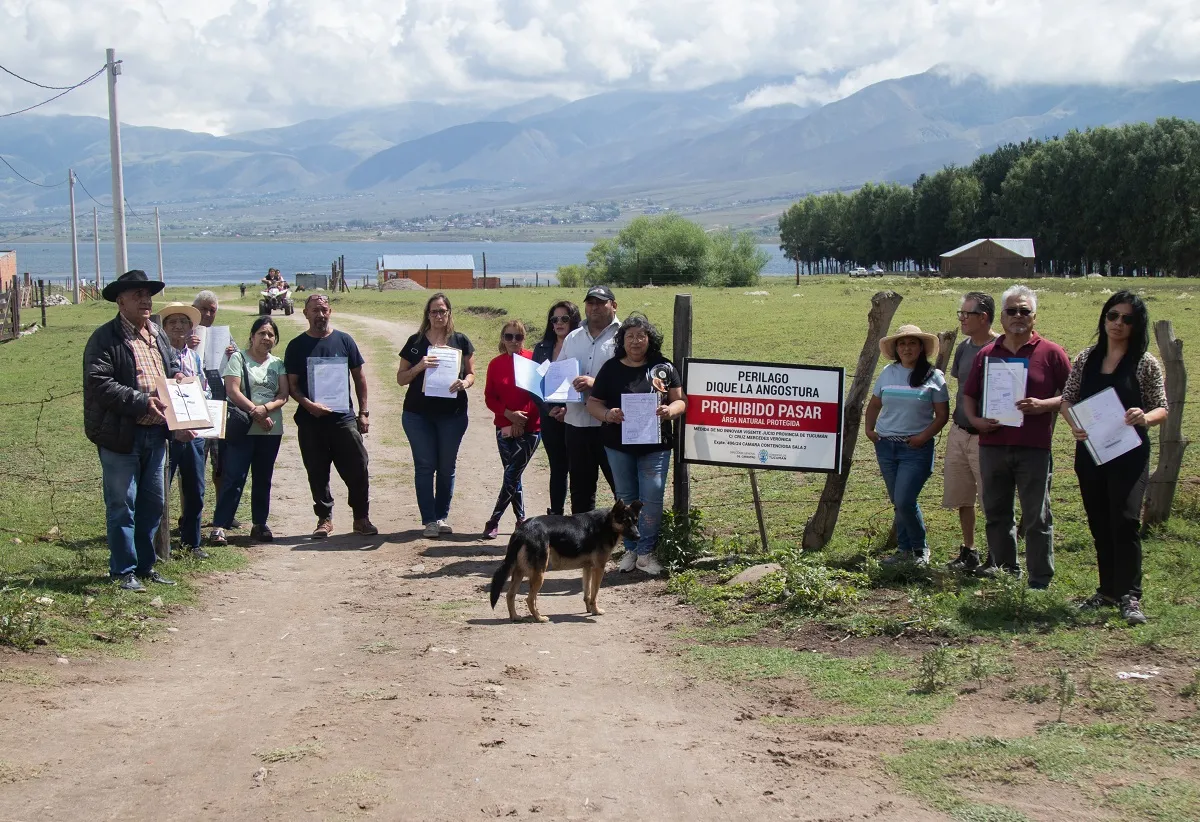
188	403
438	380
1102	416
216	413
1003	385
641	425
549	381
329	382
215	340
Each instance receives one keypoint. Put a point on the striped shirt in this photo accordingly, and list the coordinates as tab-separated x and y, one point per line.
147	361
906	410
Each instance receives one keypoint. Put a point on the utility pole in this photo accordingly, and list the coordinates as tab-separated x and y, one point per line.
74	241
158	238
96	245
120	249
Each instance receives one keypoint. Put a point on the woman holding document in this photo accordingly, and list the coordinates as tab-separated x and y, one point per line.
1122	385
561	321
518	423
636	395
438	366
257	383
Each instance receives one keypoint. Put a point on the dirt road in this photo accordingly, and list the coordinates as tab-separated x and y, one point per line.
368	678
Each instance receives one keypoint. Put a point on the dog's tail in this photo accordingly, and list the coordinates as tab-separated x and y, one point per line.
505	570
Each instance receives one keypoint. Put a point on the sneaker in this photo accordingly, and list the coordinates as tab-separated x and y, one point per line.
1095	602
431	530
217	537
444	526
130	582
155	576
261	533
905	557
196	551
648	564
521	521
324	528
967	560
628	562
492	529
1131	610
363	526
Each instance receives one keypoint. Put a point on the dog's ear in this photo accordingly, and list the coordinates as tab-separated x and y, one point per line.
618	508
636	508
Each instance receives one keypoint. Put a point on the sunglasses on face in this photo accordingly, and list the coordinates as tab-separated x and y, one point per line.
1022	310
1113	316
560	320
514	337
962	315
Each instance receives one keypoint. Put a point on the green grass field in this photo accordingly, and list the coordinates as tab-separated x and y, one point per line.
994	631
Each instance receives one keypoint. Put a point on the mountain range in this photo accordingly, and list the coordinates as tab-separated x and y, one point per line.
705	144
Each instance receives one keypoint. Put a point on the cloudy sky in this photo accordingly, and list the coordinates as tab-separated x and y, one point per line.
230	65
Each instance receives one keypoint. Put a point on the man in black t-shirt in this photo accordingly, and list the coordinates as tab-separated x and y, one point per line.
327	436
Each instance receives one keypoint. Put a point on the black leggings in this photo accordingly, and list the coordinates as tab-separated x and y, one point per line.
554	440
1112	497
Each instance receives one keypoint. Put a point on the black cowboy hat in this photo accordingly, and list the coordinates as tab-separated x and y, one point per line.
129	281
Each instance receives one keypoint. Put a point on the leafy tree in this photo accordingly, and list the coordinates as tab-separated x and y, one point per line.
570	276
671	249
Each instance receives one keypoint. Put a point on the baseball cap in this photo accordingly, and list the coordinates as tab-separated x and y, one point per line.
600	292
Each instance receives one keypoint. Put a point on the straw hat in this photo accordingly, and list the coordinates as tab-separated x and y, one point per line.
180	308
887	346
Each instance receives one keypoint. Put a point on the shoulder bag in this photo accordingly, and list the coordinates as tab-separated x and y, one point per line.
237	421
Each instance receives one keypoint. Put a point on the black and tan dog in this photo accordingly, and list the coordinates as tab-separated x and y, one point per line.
583	541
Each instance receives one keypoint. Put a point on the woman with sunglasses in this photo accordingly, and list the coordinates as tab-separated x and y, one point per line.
561	321
435	426
518	423
1113	492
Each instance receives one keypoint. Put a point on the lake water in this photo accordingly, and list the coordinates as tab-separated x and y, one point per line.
229	263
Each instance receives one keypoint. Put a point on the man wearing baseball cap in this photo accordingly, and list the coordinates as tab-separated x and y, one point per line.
124	418
592	345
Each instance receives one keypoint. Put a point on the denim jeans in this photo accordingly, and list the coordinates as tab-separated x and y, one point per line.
642	477
188	459
905	470
434	442
133	500
257	453
515	454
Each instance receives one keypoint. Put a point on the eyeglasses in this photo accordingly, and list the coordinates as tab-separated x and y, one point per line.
438	312
560	320
962	315
1114	315
514	337
1022	310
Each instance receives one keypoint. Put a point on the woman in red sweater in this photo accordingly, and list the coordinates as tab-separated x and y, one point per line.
517	422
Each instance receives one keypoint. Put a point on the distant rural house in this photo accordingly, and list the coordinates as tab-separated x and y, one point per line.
435	271
309	281
1005	258
8	269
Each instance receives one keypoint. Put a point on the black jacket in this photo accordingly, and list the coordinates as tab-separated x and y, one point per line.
112	402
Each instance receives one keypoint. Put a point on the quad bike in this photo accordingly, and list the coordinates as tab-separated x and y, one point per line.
276	298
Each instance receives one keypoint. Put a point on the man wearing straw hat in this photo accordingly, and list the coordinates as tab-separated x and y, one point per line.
909	406
1016	460
185	453
124	418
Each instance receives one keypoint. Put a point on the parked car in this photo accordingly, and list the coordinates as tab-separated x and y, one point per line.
859	272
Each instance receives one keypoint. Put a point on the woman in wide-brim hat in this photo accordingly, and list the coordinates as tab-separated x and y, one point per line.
909	406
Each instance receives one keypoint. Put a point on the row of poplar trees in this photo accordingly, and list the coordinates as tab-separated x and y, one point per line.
1111	201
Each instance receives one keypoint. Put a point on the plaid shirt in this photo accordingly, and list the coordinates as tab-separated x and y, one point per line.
147	361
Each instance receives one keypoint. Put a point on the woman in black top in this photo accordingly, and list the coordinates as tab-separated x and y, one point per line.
1113	492
639	471
435	425
561	321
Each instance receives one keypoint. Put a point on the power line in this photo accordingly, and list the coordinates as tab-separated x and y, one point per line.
88	193
33	83
26	179
68	90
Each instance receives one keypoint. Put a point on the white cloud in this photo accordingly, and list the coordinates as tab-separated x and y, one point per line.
226	65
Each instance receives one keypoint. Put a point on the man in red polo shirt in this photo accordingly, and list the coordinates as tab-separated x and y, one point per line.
1016	459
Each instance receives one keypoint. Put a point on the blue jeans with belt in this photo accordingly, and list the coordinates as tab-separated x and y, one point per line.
434	441
188	459
905	470
133	500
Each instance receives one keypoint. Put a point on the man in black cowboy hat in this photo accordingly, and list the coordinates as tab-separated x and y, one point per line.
124	418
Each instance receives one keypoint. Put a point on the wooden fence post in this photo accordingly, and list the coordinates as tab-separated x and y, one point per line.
681	349
1171	442
819	528
42	300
